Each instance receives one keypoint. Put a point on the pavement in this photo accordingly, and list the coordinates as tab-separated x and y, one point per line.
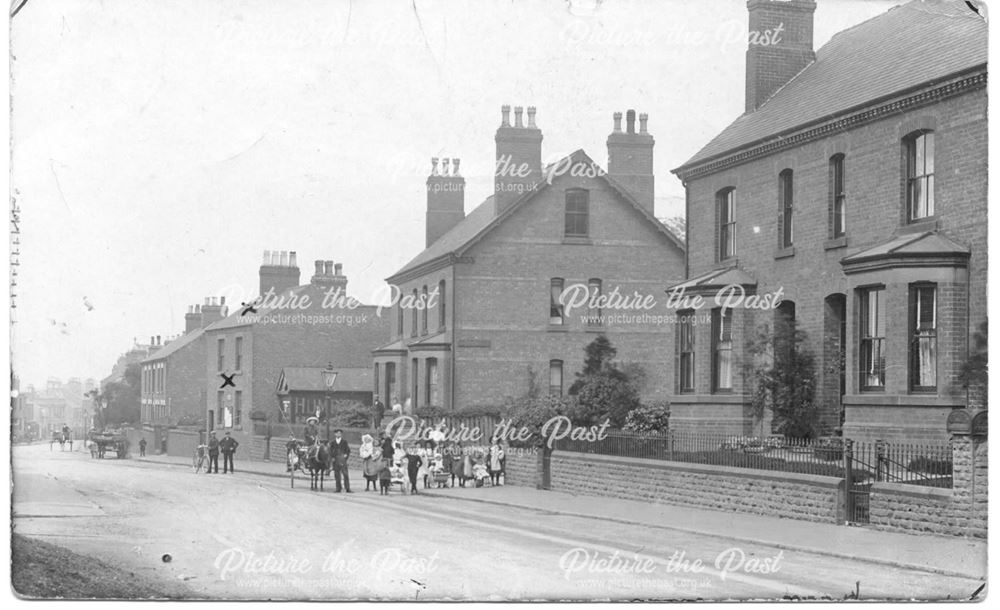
949	556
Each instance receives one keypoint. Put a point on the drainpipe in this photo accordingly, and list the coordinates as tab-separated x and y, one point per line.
454	334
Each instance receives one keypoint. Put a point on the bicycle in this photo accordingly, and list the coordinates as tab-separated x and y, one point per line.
199	458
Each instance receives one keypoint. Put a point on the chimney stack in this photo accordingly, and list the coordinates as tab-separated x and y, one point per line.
519	158
211	311
445	199
279	271
328	275
630	158
192	320
790	49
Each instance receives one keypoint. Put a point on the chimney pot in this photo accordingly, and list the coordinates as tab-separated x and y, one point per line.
434	166
643	119
159	340
337	269
292	262
445	170
531	117
518	120
319	267
152	341
505	115
222	300
267	257
618	122
328	267
630	121
197	308
283	261
207	301
454	166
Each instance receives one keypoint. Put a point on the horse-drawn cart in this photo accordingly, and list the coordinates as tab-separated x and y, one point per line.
102	442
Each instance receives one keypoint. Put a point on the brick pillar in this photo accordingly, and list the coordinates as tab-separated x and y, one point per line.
980	476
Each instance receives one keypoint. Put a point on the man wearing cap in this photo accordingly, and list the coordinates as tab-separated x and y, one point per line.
228	446
213	454
340	451
378	412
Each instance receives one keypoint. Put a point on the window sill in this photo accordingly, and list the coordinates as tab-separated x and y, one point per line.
571	240
727	263
919	226
784	252
835	242
558	328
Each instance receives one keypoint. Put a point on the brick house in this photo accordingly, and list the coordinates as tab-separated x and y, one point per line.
493	325
312	325
854	182
173	375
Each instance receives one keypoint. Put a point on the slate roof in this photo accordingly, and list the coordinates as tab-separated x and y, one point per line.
483	218
909	46
718	278
929	243
175	346
310	379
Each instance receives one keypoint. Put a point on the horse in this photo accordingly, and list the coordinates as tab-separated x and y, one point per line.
319	461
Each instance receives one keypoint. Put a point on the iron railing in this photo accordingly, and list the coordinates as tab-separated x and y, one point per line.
923	464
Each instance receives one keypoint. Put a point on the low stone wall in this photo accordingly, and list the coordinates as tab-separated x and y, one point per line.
782	494
960	511
523	467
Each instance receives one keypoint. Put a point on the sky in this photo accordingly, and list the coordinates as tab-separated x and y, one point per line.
159	147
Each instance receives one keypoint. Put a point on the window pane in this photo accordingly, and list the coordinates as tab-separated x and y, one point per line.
928	165
555	377
555	308
918	156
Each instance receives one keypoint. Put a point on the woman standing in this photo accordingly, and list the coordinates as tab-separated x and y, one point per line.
496	462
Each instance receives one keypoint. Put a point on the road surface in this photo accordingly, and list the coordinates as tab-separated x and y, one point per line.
246	536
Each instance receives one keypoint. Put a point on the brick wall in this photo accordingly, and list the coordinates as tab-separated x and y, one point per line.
182	442
960	511
781	494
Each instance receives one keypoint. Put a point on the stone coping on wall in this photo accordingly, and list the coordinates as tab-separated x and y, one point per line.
915	491
708	469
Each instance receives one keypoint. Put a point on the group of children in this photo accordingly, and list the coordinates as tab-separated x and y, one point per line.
434	463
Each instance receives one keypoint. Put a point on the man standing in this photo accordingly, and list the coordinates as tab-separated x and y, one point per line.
228	446
341	451
213	454
142	447
378	411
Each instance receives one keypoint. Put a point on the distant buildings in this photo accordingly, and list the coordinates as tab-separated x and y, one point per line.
855	182
264	363
59	403
479	319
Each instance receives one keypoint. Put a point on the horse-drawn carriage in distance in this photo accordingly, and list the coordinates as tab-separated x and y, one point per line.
108	440
61	436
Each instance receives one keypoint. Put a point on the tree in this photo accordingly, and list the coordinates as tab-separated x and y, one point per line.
975	370
783	380
601	391
117	402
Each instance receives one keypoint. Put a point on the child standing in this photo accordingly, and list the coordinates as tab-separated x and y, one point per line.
413	464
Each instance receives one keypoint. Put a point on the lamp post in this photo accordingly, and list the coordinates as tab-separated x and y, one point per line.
329	378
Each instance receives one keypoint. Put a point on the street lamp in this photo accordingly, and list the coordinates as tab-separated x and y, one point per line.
329	378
